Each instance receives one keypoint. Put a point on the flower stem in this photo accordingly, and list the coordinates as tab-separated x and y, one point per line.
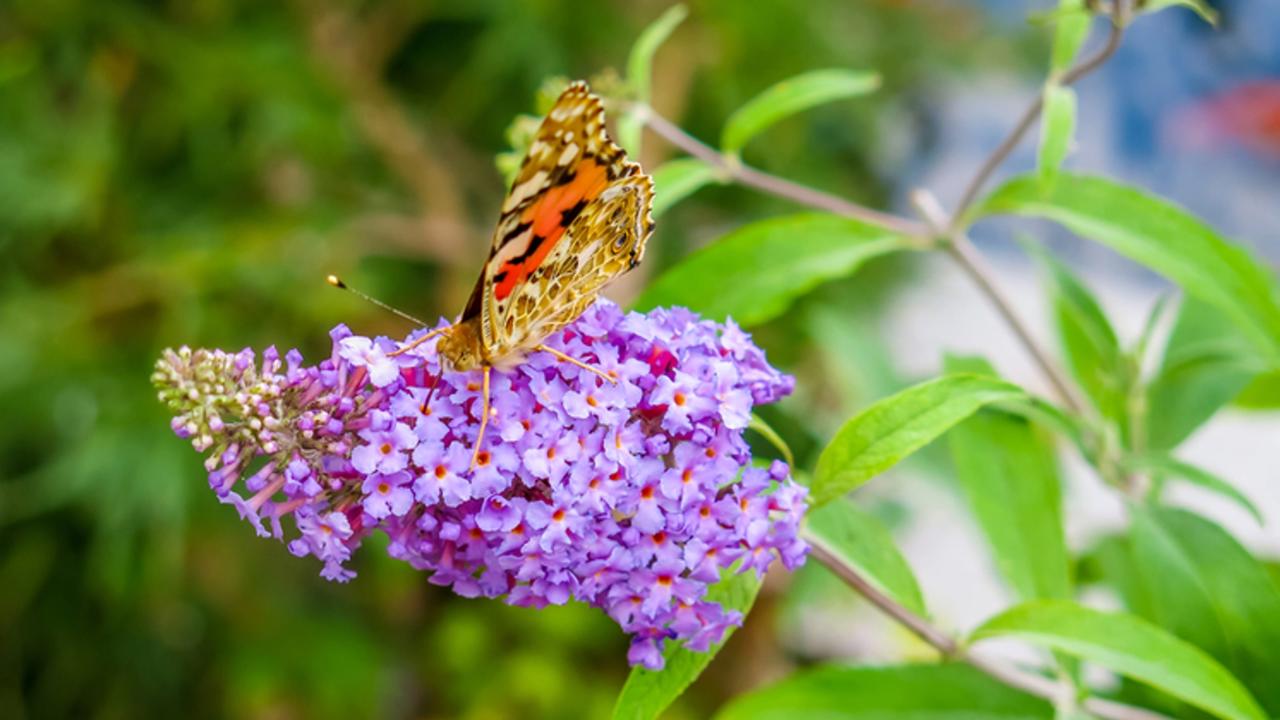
952	649
967	256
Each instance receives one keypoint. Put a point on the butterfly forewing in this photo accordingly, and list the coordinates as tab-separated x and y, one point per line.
577	216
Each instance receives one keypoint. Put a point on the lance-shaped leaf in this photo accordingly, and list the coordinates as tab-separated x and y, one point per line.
880	436
1202	585
640	61
675	180
755	272
1010	475
1071	26
1206	363
1199	7
908	692
1176	469
1163	237
790	97
862	542
1130	646
1088	341
1057	130
640	73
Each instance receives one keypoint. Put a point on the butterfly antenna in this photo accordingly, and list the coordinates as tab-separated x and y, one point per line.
336	281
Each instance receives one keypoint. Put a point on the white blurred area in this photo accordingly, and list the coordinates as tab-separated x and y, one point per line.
1234	188
943	312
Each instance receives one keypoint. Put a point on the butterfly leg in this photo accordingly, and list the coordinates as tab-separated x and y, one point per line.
574	361
484	418
406	348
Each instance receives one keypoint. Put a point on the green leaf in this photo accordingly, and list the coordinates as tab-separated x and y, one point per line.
1050	417
1154	317
1163	237
1206	363
861	541
1176	599
919	692
639	78
676	180
1130	646
1200	7
1088	341
1169	465
1068	35
640	61
1010	475
790	97
877	438
1262	392
1203	586
755	272
1057	130
1030	407
647	693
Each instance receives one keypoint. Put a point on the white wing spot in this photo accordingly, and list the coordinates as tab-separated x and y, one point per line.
524	190
569	155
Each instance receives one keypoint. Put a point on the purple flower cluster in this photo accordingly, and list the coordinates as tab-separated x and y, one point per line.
633	496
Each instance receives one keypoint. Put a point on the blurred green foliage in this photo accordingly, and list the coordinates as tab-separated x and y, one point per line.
188	172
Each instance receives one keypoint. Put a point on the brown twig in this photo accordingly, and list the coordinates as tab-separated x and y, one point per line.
735	170
353	47
935	226
950	648
1029	116
966	255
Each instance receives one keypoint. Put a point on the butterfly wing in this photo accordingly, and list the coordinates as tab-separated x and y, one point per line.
577	216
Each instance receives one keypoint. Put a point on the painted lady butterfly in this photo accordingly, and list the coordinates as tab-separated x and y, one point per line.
577	216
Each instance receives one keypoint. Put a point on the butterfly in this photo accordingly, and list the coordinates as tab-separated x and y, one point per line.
577	216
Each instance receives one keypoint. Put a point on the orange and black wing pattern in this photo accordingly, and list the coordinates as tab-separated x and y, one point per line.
577	216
